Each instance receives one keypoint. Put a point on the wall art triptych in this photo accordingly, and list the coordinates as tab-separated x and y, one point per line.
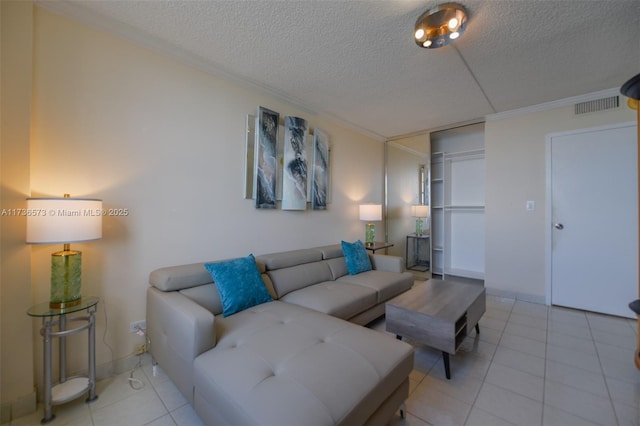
290	165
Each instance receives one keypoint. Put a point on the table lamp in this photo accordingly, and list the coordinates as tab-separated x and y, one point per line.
64	221
419	211
370	213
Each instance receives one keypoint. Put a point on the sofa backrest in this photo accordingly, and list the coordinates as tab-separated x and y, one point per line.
281	272
296	269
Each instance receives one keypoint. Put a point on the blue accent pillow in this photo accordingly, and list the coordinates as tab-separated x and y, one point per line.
355	254
239	284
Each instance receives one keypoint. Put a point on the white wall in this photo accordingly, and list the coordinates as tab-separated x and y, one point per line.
16	344
516	172
166	141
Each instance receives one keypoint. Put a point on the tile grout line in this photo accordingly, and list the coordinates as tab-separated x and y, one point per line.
487	372
604	377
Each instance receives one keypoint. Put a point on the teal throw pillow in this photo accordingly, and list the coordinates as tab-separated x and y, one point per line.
356	257
239	284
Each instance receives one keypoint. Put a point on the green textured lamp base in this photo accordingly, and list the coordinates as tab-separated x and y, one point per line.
370	234
419	227
66	274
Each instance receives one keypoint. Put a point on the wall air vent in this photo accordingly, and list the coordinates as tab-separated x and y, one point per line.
597	105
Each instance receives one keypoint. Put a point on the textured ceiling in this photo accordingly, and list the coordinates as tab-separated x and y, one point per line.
357	61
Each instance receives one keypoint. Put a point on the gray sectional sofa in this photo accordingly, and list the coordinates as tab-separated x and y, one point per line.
301	359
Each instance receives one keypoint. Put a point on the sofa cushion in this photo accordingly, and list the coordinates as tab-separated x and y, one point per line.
338	267
279	364
386	284
340	300
331	252
293	278
239	284
356	257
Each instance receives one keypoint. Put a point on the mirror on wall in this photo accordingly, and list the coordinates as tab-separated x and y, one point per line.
407	162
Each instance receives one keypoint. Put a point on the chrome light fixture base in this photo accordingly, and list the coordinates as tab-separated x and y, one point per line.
441	25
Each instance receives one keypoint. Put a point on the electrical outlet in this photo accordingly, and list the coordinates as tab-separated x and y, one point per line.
140	349
137	325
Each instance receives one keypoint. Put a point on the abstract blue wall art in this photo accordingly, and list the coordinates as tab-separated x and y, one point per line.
266	158
320	171
295	165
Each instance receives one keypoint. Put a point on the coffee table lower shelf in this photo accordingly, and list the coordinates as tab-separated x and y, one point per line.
438	314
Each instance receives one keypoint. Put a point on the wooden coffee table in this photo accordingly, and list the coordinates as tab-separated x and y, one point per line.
438	313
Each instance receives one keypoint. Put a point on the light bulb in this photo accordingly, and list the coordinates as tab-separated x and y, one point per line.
454	35
419	33
453	23
427	43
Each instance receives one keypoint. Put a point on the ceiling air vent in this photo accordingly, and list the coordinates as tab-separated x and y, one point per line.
597	105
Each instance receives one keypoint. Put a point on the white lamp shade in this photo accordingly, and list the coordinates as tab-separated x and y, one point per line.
63	220
419	211
371	212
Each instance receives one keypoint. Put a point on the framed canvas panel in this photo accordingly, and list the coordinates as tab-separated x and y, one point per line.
295	164
320	172
266	161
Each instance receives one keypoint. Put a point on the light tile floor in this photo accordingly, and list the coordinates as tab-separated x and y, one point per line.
530	365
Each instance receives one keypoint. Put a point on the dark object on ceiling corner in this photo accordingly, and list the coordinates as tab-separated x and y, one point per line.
631	89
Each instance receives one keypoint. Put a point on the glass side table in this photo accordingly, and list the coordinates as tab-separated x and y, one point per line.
68	388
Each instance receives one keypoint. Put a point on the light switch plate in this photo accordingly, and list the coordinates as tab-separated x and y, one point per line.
531	205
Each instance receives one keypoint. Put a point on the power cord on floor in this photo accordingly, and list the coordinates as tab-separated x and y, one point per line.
137	384
104	337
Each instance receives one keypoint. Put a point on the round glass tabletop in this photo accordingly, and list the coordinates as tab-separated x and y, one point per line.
44	310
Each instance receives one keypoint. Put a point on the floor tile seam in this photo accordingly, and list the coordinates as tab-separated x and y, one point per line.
458	400
159	417
622	334
523	352
528	315
573	365
521	394
604	375
635	407
167	411
526	326
486	412
544	371
569	412
553	328
552	345
617	347
408	411
513	392
484	376
525	337
535	327
575	387
92	409
454	396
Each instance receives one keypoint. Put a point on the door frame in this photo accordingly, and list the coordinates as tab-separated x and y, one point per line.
548	198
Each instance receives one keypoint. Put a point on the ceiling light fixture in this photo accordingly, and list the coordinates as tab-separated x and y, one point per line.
439	26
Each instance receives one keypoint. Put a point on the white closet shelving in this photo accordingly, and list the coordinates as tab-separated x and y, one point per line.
457	211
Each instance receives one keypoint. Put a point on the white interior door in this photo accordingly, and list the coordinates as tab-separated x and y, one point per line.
594	211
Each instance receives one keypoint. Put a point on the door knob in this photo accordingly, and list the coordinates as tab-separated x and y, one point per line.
558	226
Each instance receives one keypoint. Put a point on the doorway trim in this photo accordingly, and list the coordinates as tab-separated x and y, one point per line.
548	196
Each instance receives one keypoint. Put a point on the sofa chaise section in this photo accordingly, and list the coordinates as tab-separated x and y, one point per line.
280	364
